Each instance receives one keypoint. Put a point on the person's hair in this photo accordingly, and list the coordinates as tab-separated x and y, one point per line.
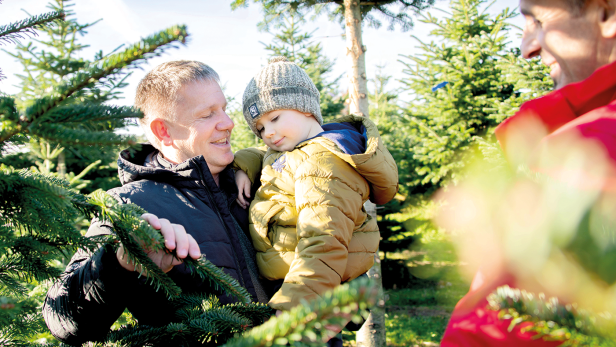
157	92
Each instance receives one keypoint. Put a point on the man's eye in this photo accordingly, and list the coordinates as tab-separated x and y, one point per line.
275	118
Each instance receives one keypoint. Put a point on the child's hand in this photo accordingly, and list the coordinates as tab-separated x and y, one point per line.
243	188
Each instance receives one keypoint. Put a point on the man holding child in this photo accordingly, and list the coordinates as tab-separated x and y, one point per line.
318	234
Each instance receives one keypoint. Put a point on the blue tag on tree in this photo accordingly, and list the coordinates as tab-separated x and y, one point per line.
438	86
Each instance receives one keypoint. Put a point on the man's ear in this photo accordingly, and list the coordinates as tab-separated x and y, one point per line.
608	18
159	128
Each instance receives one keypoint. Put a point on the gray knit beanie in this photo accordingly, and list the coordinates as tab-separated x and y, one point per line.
281	85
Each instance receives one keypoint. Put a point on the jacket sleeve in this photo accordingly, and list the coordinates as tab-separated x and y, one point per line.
473	324
328	203
250	160
88	298
381	171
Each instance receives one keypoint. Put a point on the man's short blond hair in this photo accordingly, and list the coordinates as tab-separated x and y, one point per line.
157	93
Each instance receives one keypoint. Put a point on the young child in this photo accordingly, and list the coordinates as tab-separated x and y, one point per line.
307	220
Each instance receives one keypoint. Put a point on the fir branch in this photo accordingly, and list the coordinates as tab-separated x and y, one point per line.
8	110
199	318
81	113
8	118
203	301
136	336
256	312
67	136
9	284
107	67
14	32
552	321
130	228
133	56
25	267
51	188
219	323
135	234
218	278
130	217
213	324
306	322
36	204
17	333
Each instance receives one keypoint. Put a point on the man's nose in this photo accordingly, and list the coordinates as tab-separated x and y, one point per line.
225	123
530	45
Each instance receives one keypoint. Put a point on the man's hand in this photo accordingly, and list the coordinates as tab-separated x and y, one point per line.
243	188
175	238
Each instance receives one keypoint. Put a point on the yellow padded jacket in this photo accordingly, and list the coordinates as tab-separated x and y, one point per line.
307	220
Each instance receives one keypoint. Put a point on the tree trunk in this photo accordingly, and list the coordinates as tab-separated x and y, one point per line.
372	334
356	59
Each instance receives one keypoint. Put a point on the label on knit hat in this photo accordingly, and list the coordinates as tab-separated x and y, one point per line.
254	111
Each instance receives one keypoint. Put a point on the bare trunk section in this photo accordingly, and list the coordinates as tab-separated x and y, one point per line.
358	86
372	334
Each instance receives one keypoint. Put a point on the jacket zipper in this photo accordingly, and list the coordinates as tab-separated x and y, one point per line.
211	198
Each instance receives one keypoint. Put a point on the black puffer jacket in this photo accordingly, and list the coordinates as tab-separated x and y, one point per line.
94	290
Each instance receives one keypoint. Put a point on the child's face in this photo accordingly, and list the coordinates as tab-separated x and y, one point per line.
282	130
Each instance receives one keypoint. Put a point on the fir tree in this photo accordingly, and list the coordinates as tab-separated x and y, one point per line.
48	62
465	83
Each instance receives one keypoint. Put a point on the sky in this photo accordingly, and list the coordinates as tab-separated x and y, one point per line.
228	41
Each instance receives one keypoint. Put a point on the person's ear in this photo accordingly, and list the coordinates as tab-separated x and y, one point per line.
608	18
161	131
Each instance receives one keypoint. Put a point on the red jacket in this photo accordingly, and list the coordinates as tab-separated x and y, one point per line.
584	110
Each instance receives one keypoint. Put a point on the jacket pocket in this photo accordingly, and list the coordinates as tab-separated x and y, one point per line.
260	216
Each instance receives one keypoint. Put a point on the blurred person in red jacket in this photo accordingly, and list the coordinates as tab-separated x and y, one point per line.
577	40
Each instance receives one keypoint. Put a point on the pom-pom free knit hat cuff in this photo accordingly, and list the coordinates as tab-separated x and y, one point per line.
281	85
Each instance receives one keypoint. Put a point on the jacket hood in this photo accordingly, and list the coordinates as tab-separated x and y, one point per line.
375	163
349	137
131	168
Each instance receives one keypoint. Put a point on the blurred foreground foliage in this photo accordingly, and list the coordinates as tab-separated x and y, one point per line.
556	234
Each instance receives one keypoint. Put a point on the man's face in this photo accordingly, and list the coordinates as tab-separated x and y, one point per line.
568	42
202	126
